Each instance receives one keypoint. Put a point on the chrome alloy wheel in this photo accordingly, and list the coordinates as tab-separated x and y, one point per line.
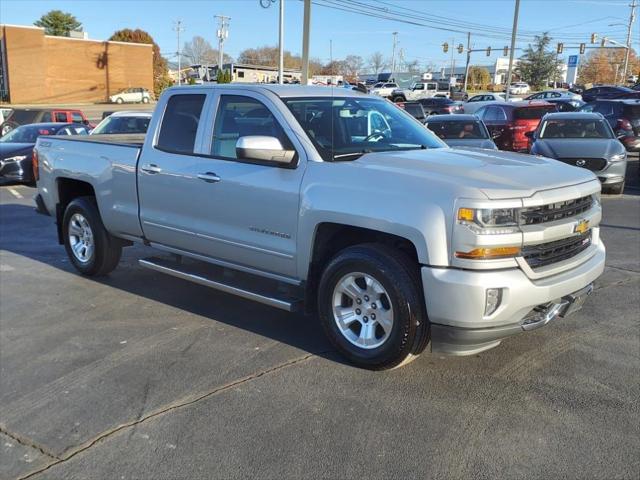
362	310
81	238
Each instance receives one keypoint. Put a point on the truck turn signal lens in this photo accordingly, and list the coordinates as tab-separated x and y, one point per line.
466	214
489	253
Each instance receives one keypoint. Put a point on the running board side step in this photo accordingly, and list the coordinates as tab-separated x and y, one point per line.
224	281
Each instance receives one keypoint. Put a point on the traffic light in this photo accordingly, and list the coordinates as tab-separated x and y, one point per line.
594	37
505	51
583	47
560	47
460	48
445	47
488	51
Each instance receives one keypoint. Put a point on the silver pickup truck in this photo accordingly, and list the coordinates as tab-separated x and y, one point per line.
339	202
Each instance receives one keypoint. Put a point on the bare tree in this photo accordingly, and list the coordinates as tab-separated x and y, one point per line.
200	52
353	65
377	62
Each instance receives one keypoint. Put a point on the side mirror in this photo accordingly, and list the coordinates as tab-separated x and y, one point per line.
531	134
263	148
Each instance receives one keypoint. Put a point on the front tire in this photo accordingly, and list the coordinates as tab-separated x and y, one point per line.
119	101
616	189
145	99
371	307
91	249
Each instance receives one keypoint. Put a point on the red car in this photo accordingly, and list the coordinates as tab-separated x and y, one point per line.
509	122
26	116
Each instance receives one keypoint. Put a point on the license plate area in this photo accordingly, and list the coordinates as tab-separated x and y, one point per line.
576	300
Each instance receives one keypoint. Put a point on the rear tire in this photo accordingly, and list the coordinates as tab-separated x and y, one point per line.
145	99
119	101
91	249
371	306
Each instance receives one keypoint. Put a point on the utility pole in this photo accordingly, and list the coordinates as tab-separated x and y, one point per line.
626	55
453	62
306	32
281	45
179	28
393	55
223	34
466	68
513	47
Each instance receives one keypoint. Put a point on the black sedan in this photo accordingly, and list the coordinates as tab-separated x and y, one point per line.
566	104
604	92
16	148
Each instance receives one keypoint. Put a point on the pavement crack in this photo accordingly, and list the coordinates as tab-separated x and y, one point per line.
189	400
25	442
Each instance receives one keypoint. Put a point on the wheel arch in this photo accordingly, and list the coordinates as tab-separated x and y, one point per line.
68	189
329	238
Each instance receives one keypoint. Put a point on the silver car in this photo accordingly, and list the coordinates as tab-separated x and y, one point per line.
461	131
551	94
584	140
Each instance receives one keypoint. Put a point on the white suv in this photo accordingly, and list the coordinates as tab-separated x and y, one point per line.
519	88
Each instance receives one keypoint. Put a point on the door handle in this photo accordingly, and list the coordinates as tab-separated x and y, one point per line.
209	177
151	168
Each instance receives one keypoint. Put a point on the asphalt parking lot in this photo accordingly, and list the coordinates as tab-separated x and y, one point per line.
140	375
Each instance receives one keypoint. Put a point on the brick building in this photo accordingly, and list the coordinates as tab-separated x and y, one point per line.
38	68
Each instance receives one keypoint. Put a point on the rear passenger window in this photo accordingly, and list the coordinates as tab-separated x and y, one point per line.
180	123
61	117
46	117
240	116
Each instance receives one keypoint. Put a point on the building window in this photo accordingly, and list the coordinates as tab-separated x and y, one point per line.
240	74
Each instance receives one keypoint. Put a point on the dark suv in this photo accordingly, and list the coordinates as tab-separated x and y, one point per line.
624	118
509	122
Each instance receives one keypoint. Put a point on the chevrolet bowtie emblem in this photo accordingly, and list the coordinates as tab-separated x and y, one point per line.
581	227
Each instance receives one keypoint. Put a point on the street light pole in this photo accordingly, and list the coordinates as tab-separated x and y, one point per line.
178	28
306	32
281	45
513	47
393	56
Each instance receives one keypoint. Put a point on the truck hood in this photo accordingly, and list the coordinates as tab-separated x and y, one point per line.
579	147
497	174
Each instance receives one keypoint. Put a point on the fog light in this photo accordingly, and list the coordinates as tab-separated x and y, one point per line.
492	300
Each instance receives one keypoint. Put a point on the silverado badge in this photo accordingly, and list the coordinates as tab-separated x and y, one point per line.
581	227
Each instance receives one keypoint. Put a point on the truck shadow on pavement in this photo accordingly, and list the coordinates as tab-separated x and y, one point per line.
33	236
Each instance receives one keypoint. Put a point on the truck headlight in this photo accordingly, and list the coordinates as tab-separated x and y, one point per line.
618	158
489	221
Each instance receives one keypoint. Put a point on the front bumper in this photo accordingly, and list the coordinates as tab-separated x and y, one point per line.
455	301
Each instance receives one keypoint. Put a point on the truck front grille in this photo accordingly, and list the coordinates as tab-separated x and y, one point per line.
593	164
555	211
552	252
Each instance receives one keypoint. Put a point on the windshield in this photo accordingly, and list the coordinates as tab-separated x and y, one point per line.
345	128
113	125
458	129
575	129
26	134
